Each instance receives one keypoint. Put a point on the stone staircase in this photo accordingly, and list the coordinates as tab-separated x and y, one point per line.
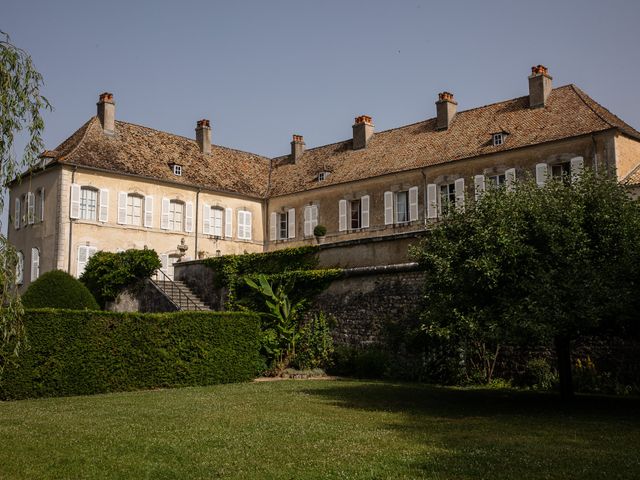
179	294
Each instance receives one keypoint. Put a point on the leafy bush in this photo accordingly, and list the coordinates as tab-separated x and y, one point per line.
315	345
58	289
370	362
538	374
107	274
83	352
320	231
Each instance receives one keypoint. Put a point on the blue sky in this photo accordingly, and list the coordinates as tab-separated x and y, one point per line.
262	70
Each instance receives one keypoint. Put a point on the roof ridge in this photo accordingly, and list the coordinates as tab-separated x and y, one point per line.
191	139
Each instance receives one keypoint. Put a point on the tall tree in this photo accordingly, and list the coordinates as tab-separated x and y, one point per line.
21	105
534	265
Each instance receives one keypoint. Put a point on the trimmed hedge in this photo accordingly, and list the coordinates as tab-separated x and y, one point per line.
72	352
58	289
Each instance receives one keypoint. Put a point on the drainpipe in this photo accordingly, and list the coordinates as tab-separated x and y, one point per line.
195	254
73	180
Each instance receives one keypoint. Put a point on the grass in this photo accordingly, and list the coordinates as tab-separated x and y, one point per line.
320	429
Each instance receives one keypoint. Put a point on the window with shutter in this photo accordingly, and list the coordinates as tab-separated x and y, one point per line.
217	215
459	187
164	218
273	227
413	204
31	205
122	208
364	211
20	268
355	208
388	208
342	215
447	198
35	264
207	214
478	186
74	204
148	211
16	214
401	204
541	174
510	178
228	222
188	217
432	201
104	205
40	205
291	214
310	219
244	225
88	203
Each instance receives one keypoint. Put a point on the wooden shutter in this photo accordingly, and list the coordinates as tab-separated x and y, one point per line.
342	215
164	218
188	217
577	166
206	219
228	222
413	204
364	211
432	201
82	260
307	220
510	178
148	211
248	217
74	211
31	208
16	219
103	214
459	186
273	227
541	174
35	263
122	208
291	218
388	208
479	186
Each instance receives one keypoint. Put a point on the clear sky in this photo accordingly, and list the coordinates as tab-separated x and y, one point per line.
262	70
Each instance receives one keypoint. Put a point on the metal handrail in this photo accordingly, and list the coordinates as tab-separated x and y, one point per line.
160	276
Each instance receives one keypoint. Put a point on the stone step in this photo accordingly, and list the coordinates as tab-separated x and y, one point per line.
181	295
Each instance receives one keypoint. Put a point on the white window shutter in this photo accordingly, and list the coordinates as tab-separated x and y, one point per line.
35	263
16	218
364	211
541	174
228	222
510	178
31	208
459	187
479	186
314	217
82	260
122	208
74	211
413	204
342	215
307	220
188	217
432	201
164	218
247	217
20	269
291	218
206	219
164	262
577	166
273	226
388	208
148	211
103	216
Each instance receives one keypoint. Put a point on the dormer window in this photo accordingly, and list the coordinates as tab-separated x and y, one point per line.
322	176
177	170
499	138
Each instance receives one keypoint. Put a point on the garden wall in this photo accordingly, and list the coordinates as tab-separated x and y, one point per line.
71	352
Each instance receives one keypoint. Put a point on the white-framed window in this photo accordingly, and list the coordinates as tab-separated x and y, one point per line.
134	210
561	171
244	225
35	263
88	203
31	208
310	219
442	198
282	225
85	252
401	207
355	217
177	170
322	176
447	198
19	268
401	204
353	214
498	139
497	180
176	216
217	221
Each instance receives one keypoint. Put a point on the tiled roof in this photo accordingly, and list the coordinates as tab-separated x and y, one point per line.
633	179
138	150
569	112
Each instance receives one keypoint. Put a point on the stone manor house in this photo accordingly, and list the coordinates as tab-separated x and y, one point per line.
114	185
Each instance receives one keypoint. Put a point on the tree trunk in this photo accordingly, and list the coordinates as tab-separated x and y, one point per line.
563	352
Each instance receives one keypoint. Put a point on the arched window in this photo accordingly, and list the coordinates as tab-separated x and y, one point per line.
20	268
35	263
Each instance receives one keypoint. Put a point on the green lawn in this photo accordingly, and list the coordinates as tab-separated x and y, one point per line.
320	429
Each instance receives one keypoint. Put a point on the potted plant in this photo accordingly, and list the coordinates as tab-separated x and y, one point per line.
320	231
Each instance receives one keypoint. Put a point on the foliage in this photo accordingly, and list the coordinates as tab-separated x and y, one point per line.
107	273
368	362
82	352
533	264
58	289
281	327
11	313
315	345
539	374
320	231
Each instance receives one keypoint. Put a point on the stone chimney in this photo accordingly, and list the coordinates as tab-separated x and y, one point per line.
446	108
107	112
362	131
297	147
203	136
539	86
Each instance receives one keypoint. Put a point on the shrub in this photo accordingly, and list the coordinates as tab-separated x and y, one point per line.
80	353
107	273
370	362
538	374
58	289
315	345
320	231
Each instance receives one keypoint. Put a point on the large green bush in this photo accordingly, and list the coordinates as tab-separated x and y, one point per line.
58	289
83	352
107	273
